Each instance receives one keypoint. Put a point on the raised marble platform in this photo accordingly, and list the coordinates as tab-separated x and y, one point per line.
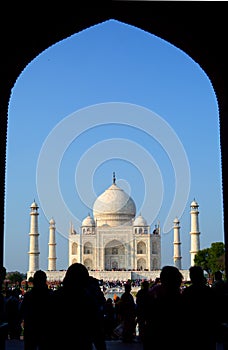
113	275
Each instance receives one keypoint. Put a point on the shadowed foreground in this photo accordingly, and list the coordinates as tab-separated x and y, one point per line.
111	345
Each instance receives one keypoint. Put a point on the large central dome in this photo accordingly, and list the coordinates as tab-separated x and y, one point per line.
114	207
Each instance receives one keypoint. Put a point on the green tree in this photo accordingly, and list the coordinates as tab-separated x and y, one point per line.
211	259
202	259
15	277
217	252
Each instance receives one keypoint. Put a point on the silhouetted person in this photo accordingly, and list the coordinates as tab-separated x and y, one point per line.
219	285
109	318
75	316
117	318
141	299
12	305
127	313
35	315
154	283
99	299
220	290
164	313
201	314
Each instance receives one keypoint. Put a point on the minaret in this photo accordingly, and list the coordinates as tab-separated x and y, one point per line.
72	231
34	243
195	241
52	247
176	244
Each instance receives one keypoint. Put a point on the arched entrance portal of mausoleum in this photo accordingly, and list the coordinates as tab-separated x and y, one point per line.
115	256
141	265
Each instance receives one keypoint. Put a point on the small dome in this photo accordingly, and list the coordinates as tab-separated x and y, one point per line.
140	221
52	222
176	221
194	204
88	221
34	205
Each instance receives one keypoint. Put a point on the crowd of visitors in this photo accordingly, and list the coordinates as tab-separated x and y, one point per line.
166	312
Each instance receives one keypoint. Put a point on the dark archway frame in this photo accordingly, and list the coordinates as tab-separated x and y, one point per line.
198	28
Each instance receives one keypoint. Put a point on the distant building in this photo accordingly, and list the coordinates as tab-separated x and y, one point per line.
113	243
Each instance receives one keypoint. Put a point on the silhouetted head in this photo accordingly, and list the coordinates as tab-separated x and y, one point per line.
76	276
127	287
39	279
171	277
109	301
196	275
218	275
145	285
116	298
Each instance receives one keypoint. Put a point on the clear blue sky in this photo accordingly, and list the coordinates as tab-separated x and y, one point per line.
111	98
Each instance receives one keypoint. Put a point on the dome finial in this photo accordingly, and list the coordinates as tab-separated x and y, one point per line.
114	178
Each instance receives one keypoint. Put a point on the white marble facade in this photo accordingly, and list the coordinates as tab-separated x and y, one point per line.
112	241
113	238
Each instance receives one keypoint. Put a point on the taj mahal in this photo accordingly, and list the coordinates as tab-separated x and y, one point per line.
113	243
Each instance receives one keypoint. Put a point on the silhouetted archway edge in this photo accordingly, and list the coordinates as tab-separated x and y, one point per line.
190	26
